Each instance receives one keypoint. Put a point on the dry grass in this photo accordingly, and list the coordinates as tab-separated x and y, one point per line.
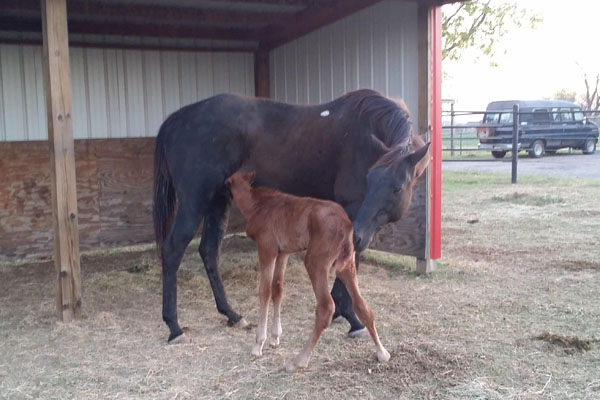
512	271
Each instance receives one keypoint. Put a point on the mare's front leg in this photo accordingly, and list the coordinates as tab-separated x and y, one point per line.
341	297
266	260
215	225
277	296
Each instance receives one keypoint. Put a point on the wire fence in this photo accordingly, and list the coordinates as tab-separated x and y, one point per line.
459	130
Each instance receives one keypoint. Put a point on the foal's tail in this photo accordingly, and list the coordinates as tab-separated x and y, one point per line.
164	194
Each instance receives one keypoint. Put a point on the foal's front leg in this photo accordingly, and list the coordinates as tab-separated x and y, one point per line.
266	260
277	296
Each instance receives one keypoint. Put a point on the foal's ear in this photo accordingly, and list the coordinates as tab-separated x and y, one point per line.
250	176
420	160
228	181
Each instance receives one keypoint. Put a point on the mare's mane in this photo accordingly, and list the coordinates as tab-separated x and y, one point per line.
389	120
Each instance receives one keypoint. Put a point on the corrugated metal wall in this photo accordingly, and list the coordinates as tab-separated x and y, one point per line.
375	48
116	92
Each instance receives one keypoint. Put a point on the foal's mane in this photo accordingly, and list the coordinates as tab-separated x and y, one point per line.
389	119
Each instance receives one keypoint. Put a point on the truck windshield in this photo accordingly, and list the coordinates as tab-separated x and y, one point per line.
491	118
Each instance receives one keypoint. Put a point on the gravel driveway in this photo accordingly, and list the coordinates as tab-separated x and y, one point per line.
574	165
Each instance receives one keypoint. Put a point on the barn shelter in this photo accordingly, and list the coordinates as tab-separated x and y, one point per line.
85	85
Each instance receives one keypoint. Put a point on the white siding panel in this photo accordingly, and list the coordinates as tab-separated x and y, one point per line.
204	75
374	48
115	93
188	78
11	67
115	78
338	59
34	103
324	62
170	82
153	98
220	73
96	84
134	94
79	94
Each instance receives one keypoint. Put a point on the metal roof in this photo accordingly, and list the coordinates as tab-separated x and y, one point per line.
210	24
508	104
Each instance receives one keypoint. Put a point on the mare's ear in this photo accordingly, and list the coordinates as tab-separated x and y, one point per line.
419	160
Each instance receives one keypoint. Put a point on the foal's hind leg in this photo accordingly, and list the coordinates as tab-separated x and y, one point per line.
182	231
347	274
215	225
277	296
266	260
318	273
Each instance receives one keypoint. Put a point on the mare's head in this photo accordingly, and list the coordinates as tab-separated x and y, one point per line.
390	183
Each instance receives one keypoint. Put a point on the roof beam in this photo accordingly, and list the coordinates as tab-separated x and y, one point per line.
136	29
302	3
159	13
310	19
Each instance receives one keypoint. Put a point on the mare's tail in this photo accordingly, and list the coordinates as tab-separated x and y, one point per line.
164	194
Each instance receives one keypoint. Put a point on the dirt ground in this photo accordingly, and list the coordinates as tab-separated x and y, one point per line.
512	312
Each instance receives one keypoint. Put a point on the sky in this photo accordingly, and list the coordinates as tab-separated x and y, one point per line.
538	62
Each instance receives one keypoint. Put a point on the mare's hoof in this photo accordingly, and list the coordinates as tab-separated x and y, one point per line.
181	339
338	319
383	355
242	324
360	334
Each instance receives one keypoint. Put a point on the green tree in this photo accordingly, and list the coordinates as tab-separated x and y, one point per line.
564	94
479	24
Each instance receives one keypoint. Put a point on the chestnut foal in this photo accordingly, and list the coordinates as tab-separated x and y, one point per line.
282	224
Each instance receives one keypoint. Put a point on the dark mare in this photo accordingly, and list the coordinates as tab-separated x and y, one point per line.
357	150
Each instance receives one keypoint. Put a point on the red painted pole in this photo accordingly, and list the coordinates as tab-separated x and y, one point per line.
435	248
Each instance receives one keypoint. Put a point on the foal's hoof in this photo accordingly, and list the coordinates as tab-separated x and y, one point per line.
256	353
242	324
274	342
181	339
360	334
292	367
383	355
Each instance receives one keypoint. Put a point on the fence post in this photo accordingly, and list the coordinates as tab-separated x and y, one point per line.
452	129
515	140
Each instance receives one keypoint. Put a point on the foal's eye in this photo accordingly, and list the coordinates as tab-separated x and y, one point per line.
398	189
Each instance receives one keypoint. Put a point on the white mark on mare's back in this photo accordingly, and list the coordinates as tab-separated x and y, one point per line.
325	113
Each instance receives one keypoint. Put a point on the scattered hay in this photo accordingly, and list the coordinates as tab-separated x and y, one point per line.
577	265
411	364
568	342
528	199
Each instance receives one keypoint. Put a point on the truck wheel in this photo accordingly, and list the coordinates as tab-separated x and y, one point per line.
537	149
498	153
589	147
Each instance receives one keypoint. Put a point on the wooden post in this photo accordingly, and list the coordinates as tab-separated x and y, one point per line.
429	28
57	87
261	73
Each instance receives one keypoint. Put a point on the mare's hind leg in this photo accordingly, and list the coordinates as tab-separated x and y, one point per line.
182	231
277	296
343	307
215	225
266	260
347	274
318	270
